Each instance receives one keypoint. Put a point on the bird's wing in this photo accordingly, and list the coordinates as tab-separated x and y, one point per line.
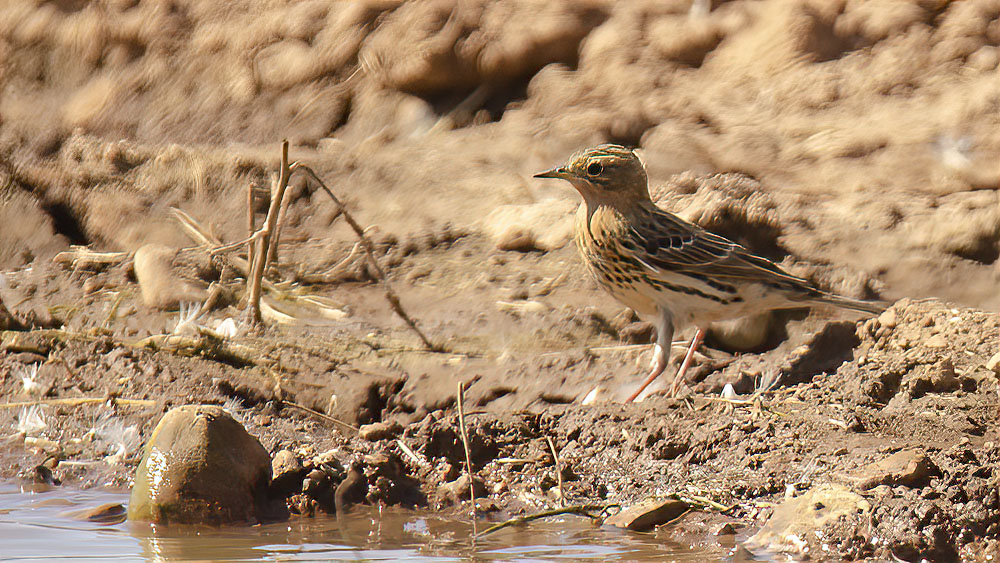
664	242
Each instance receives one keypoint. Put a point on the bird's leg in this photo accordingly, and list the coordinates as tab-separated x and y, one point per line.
699	335
661	352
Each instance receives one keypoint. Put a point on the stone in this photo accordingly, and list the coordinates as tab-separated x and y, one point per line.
352	490
107	514
379	431
457	491
993	364
201	466
287	472
909	468
7	320
163	278
796	520
648	514
888	318
936	341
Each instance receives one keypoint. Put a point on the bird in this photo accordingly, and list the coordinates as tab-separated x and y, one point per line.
668	270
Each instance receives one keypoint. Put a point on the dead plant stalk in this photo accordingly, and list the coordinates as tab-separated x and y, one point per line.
468	456
262	246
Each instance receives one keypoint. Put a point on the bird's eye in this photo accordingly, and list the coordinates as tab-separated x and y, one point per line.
595	169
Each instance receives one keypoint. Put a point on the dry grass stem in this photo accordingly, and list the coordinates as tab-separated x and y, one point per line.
321	416
468	456
82	257
77	401
592	511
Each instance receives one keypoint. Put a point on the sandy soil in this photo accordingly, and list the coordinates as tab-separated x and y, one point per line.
855	142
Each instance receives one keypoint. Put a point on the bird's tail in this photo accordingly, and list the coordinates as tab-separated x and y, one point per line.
873	307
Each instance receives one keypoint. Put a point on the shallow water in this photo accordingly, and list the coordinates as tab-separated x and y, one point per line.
42	526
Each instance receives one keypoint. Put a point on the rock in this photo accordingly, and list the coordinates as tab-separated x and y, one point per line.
316	483
726	529
888	318
287	472
993	364
379	431
910	468
44	476
201	466
352	490
165	279
457	491
936	341
108	514
648	514
796	520
7	320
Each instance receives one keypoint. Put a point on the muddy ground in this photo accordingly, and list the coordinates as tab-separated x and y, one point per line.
855	142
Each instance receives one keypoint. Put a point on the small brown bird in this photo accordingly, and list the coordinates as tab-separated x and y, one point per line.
669	270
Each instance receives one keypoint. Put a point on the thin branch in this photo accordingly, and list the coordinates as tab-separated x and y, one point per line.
369	249
468	456
704	502
587	510
320	415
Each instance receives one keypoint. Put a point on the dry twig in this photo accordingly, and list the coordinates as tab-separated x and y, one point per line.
468	456
369	249
76	401
322	416
587	510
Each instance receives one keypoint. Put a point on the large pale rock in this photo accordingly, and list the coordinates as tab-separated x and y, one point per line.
796	522
201	466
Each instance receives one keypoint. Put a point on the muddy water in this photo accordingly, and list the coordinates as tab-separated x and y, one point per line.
45	526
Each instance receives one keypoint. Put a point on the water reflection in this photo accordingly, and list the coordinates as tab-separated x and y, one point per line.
47	526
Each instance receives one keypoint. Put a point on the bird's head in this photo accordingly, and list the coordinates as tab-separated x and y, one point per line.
605	174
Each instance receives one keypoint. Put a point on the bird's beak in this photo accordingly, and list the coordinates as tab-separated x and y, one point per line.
560	172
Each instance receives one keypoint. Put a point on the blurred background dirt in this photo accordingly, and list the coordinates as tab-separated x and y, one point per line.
872	125
856	142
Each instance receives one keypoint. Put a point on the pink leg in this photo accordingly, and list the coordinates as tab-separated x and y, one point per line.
659	363
699	335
